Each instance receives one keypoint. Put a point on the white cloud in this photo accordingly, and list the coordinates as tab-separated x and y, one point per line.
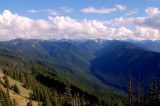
150	20
121	7
147	27
101	11
66	9
147	33
132	12
32	11
49	11
15	26
152	10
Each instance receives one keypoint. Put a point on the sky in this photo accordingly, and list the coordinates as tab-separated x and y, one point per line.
80	19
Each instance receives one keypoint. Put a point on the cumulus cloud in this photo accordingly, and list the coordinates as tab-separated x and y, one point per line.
152	10
150	20
147	27
147	33
15	26
66	9
121	7
101	11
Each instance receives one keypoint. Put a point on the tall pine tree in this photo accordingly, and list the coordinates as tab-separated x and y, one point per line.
129	98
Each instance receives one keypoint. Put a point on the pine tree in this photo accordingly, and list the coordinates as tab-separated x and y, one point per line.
68	95
8	100
2	99
142	99
6	81
21	77
129	99
0	81
138	92
55	97
47	101
158	94
27	83
152	94
16	89
78	100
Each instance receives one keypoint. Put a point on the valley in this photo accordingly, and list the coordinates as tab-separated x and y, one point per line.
96	70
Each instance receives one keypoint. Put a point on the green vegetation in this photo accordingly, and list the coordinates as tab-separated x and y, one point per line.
16	89
49	86
6	81
143	99
4	98
60	73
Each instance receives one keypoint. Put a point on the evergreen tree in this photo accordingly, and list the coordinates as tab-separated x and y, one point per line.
21	77
129	99
46	101
2	98
158	94
27	83
152	94
138	93
0	81
6	81
16	89
8	101
68	95
55	98
14	102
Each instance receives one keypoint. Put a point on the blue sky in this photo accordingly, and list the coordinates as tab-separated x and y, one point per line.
22	6
116	19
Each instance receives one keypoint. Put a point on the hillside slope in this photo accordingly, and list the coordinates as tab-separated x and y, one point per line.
23	98
49	85
119	59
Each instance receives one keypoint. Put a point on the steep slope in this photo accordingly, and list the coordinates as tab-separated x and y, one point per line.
93	46
72	61
120	58
23	98
44	82
53	53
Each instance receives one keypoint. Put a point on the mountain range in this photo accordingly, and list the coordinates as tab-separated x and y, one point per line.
95	64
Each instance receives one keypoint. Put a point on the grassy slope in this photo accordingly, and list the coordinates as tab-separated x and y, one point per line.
21	99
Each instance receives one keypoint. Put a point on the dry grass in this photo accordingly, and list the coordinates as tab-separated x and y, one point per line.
21	99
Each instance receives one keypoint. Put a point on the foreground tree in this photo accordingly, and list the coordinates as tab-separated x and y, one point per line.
129	98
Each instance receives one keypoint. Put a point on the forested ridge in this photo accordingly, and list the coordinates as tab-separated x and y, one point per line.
48	73
48	86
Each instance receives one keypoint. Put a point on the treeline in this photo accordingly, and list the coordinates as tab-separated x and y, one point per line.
49	88
49	91
141	98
